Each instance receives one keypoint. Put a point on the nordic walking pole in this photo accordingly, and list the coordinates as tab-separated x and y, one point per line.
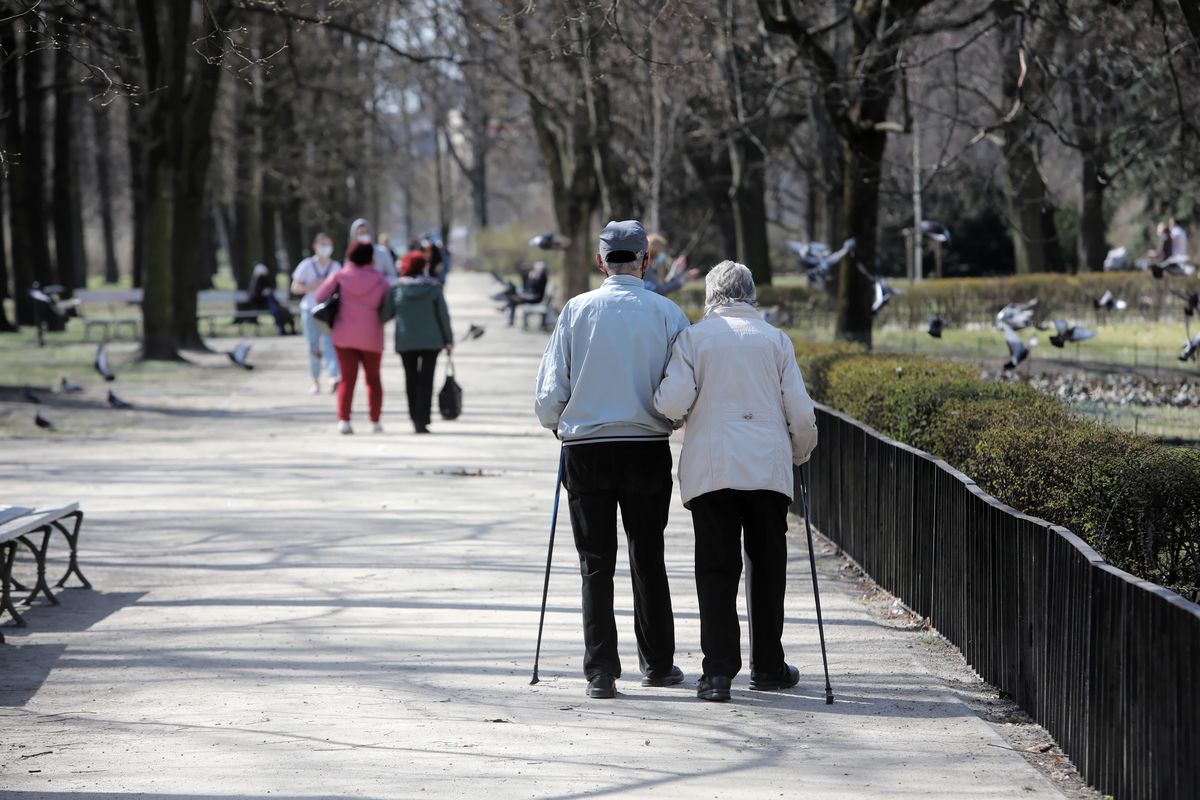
549	557
812	562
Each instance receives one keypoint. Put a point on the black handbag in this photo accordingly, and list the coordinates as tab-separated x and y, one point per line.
450	397
325	314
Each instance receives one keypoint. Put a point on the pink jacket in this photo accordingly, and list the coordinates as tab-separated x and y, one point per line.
357	324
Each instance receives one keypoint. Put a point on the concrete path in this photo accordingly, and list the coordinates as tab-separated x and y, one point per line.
284	612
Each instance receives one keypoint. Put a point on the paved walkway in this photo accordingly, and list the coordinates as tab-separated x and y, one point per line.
283	612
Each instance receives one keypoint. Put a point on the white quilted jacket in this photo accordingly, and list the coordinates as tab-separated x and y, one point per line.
734	378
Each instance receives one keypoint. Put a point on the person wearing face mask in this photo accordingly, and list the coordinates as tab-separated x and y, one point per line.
306	279
361	233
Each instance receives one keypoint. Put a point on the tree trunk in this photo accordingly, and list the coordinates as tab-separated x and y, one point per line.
1026	198
750	212
34	158
5	325
165	33
195	154
246	239
137	193
1092	225
15	181
860	184
292	229
210	243
105	190
68	216
579	259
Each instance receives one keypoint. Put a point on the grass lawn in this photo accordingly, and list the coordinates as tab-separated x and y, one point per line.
1153	345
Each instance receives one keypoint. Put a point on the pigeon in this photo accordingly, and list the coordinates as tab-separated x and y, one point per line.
1174	266
474	332
936	326
1190	349
1069	333
1110	303
549	241
935	231
117	402
42	422
67	387
883	295
1016	315
1191	301
30	397
1018	350
240	353
101	363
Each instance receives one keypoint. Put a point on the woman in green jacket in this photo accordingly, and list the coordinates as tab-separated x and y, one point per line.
422	330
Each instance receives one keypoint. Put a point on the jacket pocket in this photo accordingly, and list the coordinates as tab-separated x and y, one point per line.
748	451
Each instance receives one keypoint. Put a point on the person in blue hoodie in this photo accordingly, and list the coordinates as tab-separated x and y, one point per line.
595	390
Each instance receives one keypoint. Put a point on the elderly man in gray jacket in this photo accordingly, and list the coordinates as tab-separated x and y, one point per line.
595	390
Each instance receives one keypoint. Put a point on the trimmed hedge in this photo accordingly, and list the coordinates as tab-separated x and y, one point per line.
1135	501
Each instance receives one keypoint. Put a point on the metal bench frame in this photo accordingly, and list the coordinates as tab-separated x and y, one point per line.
22	528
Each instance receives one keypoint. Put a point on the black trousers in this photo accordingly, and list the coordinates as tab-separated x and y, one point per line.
636	477
719	519
419	369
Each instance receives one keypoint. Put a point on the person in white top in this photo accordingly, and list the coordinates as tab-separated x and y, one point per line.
306	279
733	378
1179	242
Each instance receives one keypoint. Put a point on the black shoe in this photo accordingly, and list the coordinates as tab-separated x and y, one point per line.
771	681
715	688
674	676
421	428
602	687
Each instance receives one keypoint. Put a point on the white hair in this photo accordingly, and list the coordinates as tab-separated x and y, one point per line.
624	267
728	282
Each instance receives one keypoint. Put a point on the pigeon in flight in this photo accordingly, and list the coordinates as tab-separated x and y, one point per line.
117	402
1069	333
935	231
474	332
1174	266
936	326
1110	303
1190	349
30	397
549	241
67	387
1018	350
101	363
1016	315
240	353
883	291
42	422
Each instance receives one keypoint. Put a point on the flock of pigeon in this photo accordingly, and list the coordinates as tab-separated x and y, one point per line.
239	356
1018	316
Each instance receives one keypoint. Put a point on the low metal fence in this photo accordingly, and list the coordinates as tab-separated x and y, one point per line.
1108	663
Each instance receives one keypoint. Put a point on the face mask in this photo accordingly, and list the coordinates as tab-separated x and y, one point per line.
365	238
325	250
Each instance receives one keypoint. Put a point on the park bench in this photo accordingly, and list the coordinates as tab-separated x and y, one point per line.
20	525
545	309
117	301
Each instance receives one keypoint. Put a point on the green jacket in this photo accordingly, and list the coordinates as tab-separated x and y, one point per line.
422	320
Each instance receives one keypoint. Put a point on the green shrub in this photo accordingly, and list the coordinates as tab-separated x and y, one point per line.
1134	500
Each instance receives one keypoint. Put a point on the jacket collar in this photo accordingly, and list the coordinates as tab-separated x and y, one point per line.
738	309
625	280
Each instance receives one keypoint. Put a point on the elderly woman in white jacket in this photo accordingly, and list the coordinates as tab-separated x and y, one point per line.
733	378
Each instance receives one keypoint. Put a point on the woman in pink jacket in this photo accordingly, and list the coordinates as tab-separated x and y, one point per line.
357	331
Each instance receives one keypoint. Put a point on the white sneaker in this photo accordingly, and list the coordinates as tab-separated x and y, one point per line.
333	387
376	427
344	426
316	388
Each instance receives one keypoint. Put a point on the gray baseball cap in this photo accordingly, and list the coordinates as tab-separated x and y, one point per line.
627	235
